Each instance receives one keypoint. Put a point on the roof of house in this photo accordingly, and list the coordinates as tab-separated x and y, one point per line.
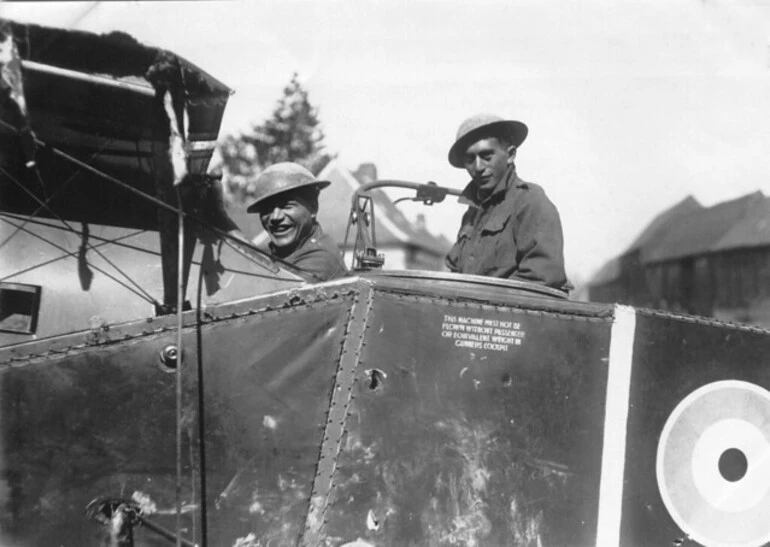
392	227
689	229
662	224
726	225
753	230
610	271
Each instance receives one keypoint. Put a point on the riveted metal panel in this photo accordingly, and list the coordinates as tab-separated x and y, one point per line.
334	430
80	421
268	382
472	424
84	425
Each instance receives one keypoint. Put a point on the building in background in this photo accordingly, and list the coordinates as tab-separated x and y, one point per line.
712	261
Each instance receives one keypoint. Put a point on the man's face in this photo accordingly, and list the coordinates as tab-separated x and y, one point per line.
286	217
486	161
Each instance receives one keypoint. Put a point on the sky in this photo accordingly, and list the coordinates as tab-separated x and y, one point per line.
631	105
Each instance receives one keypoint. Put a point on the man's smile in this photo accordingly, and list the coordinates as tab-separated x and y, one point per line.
282	231
281	228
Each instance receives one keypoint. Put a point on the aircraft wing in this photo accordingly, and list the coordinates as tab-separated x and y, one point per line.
98	99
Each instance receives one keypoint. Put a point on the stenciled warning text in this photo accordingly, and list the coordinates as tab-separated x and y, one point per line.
481	333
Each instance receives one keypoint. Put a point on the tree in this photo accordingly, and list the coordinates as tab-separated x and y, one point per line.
293	133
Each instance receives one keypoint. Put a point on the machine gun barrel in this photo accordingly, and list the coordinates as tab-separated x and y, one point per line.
365	246
430	190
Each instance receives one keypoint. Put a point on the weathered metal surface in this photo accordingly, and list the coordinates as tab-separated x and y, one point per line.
376	410
487	286
674	357
472	425
74	428
81	422
267	391
492	292
339	407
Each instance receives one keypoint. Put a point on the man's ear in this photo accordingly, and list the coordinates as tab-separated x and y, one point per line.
511	151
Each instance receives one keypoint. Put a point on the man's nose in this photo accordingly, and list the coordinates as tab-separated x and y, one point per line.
276	214
478	165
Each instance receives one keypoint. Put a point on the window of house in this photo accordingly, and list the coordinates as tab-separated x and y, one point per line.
19	307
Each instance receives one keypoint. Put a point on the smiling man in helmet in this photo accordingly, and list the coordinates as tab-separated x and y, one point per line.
511	229
286	200
287	203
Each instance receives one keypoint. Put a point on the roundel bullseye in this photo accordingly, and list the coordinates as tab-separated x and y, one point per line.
713	464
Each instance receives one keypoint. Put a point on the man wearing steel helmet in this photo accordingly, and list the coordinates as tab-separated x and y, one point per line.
511	229
287	203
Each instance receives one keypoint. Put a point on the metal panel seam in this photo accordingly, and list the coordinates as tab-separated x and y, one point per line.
615	426
87	340
706	321
334	431
506	308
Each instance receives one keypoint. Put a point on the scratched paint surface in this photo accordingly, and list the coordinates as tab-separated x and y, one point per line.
450	444
267	393
78	427
100	422
672	358
469	424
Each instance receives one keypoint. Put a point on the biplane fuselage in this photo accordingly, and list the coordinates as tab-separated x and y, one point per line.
384	408
419	409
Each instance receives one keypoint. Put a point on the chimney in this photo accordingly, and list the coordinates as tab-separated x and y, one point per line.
366	172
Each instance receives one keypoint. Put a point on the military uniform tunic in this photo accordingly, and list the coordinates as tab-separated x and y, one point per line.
514	233
316	258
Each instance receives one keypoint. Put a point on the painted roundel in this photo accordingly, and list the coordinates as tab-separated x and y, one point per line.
713	464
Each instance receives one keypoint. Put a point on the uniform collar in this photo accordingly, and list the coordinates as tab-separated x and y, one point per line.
510	179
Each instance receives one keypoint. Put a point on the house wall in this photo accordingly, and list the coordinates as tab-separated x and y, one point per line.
632	280
609	292
742	280
732	285
630	286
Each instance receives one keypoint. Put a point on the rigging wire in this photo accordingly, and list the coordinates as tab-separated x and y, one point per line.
45	205
152	199
261	258
34	213
117	241
58	190
69	253
97	268
88	244
201	408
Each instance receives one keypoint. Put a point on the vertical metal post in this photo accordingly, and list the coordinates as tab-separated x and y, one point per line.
180	325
